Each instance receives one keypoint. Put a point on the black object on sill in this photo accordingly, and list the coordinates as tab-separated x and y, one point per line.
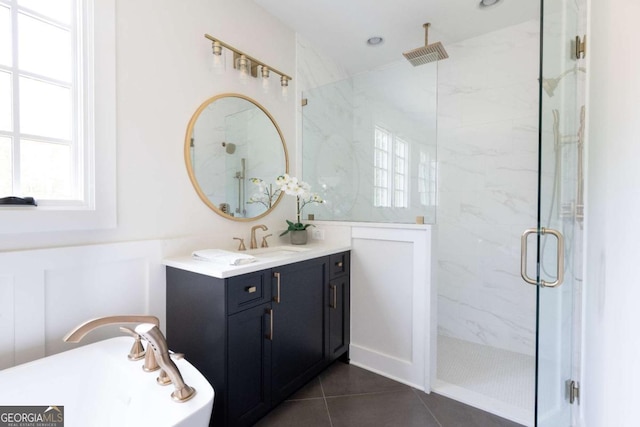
12	200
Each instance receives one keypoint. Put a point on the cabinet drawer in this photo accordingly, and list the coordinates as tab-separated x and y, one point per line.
339	264
247	291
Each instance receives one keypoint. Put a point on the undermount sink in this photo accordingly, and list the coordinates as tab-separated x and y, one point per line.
276	251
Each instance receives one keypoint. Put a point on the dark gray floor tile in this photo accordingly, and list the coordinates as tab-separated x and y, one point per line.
307	413
342	379
451	413
400	408
310	391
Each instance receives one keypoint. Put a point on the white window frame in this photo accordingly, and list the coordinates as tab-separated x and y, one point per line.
97	210
394	193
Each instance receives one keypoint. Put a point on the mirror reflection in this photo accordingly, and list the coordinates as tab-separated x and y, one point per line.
231	141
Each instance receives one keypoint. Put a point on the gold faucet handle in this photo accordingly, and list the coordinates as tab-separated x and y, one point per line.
241	247
137	351
150	362
265	244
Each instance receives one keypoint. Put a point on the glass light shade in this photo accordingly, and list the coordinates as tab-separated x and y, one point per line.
218	58
244	66
265	79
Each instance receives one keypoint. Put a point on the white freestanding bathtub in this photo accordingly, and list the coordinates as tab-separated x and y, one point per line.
99	386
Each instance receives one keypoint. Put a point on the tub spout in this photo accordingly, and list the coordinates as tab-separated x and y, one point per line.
158	343
80	331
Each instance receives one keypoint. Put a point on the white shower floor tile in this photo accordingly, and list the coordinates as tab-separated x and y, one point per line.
489	378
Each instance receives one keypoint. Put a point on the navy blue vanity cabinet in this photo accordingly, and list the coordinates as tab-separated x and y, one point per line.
298	350
339	304
259	337
249	365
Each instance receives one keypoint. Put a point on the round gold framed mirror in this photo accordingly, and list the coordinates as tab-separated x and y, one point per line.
232	146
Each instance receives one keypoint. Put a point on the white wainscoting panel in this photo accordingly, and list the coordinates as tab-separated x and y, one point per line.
393	303
44	293
6	321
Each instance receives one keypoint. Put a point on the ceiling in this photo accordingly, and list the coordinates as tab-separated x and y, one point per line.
341	28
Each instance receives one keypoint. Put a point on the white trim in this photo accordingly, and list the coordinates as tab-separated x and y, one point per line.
419	371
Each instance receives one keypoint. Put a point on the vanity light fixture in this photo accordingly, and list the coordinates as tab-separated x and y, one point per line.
284	82
248	65
218	58
243	64
264	72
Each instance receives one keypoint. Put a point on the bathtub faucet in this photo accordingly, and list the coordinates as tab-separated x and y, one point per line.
158	343
80	331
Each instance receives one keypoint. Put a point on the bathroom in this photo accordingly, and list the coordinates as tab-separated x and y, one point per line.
57	272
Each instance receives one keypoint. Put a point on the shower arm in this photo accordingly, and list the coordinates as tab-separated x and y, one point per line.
426	33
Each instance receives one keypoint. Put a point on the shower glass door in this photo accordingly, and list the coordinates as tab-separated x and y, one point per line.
560	209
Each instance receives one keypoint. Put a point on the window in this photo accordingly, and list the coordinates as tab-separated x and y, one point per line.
57	113
42	79
390	170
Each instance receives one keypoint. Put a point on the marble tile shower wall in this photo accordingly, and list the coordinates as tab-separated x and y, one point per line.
487	186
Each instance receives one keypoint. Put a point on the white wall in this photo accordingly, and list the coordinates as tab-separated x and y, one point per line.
611	369
163	75
487	186
50	282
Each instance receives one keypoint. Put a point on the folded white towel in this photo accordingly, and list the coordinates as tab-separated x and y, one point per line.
222	256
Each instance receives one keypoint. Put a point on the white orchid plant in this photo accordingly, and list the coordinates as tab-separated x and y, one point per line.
289	185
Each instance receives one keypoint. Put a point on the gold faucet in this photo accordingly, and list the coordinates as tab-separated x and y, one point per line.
80	331
158	344
254	243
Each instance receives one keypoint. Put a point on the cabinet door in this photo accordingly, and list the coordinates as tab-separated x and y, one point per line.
338	317
298	348
249	365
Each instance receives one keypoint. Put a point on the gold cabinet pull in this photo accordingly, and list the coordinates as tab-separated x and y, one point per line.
339	264
334	300
277	297
250	289
269	336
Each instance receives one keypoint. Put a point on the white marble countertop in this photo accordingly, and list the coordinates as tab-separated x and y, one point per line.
265	258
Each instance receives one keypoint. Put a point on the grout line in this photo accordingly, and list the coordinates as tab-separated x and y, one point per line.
303	399
326	405
367	393
415	392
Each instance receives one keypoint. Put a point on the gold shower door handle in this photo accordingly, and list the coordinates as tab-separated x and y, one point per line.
523	255
559	254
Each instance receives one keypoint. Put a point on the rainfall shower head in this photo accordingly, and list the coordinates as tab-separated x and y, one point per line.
428	52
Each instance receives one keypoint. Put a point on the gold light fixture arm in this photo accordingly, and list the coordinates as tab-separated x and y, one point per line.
253	60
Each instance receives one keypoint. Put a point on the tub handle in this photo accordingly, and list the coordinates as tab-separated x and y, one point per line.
137	351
